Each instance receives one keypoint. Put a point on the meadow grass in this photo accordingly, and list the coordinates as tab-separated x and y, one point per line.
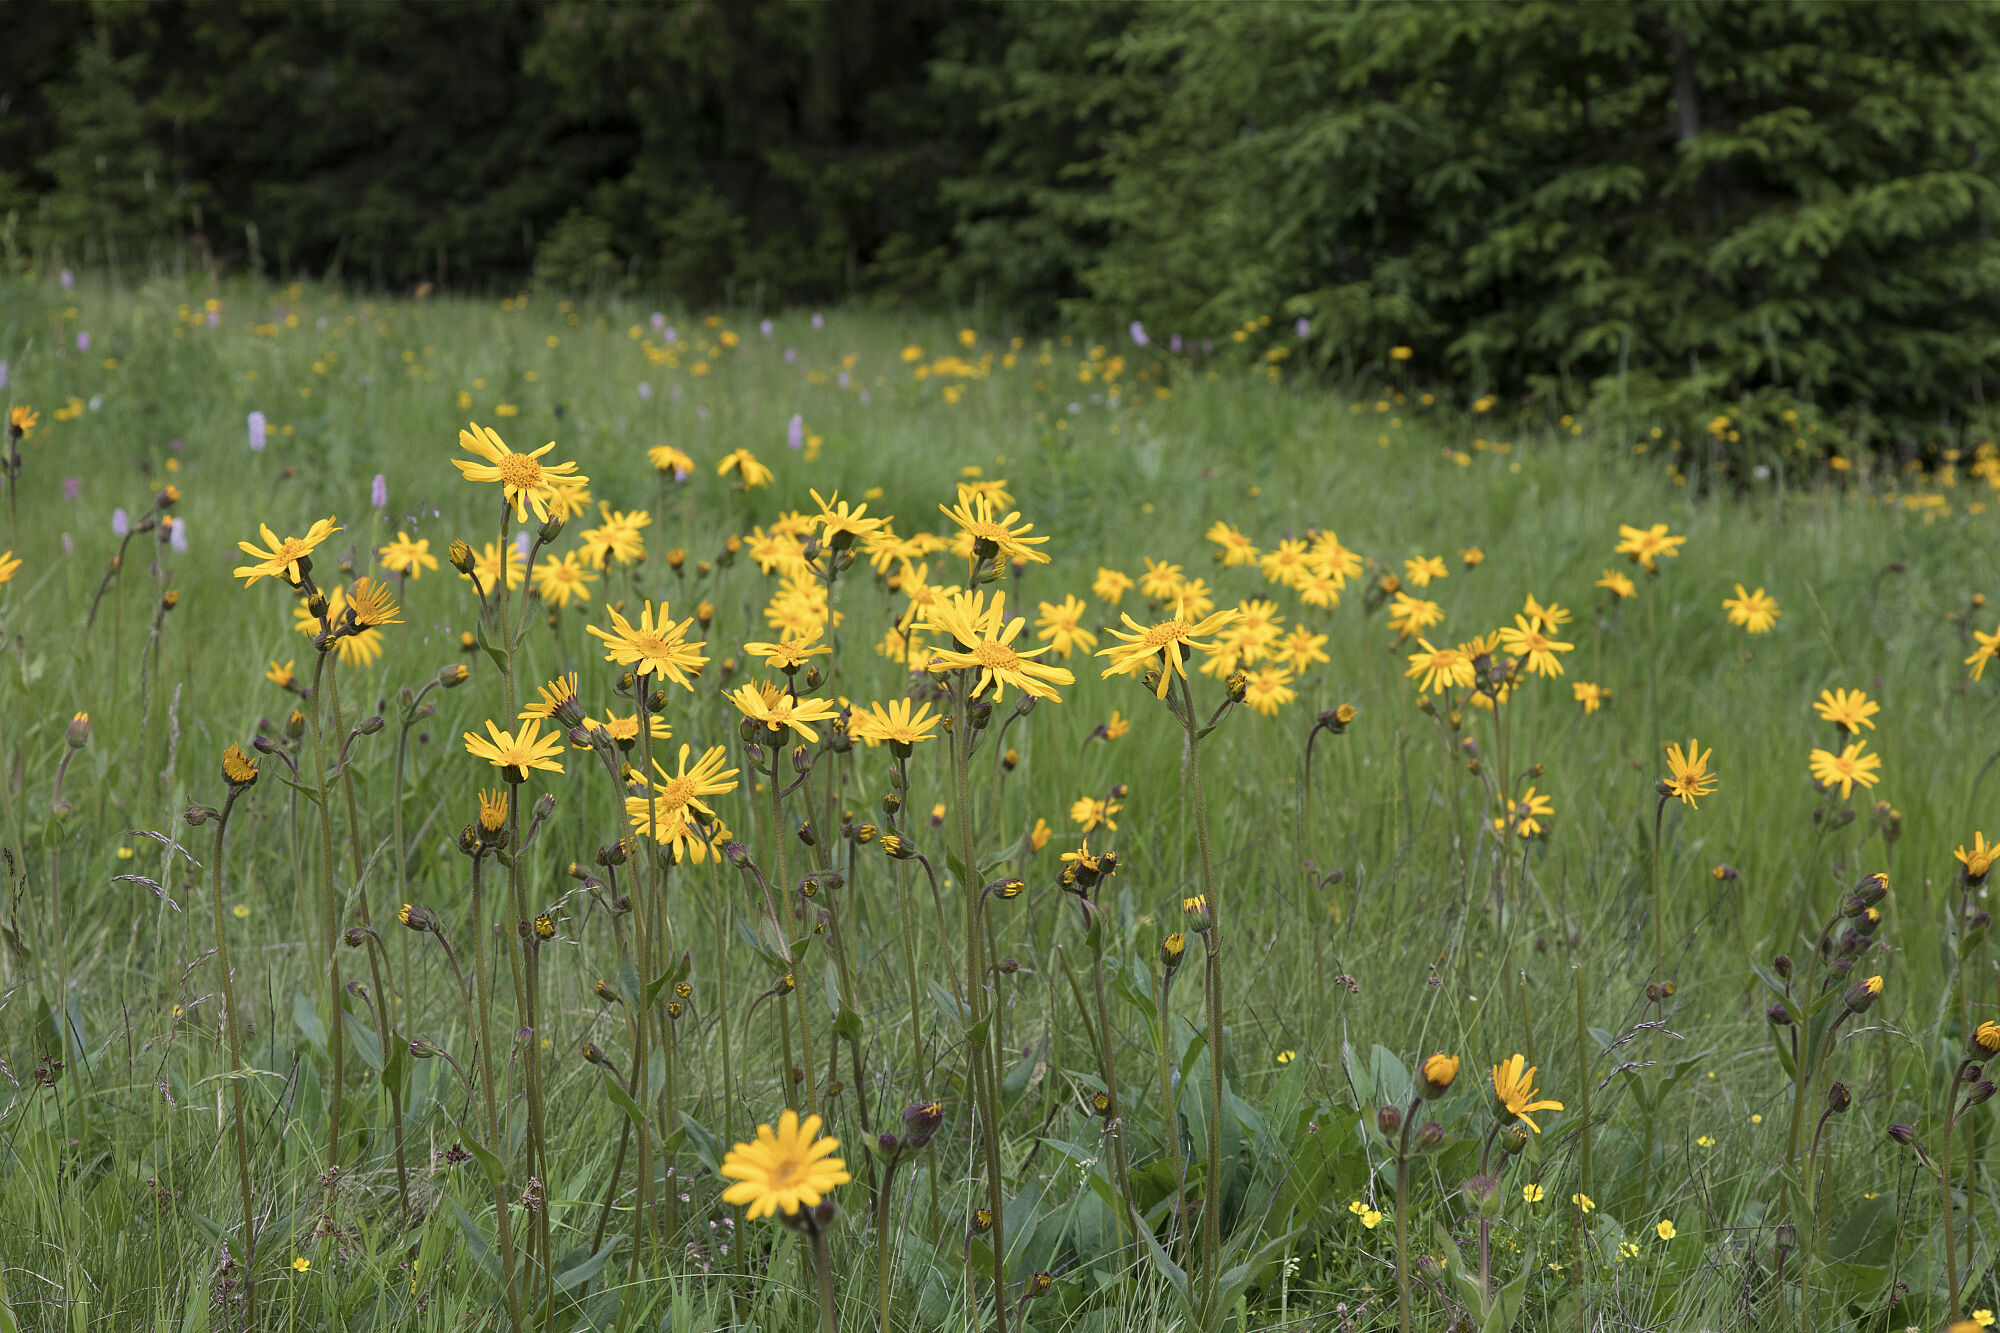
1368	917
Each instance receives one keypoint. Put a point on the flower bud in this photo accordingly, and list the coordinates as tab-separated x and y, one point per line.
1389	1120
1779	1016
1429	1136
1838	1098
1862	994
416	918
461	557
1172	950
1435	1076
77	734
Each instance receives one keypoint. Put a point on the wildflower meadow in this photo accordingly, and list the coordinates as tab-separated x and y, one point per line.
543	814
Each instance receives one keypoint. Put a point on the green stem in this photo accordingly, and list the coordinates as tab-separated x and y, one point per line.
236	1070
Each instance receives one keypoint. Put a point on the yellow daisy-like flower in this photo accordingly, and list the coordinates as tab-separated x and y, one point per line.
8	564
1116	726
620	536
1301	648
1989	644
370	604
839	525
526	481
748	470
406	557
1110	585
1979	861
1268	689
1687	772
1664	1229
1235	548
21	421
487	565
623	728
784	1170
1550	617
789	654
655	646
559	578
1591	696
517	753
1285	564
666	458
1524	817
358	649
283	558
1756	612
778	708
988	649
1440	668
1514	1090
1007	536
1646	547
1532	1194
238	769
553	697
660	809
1162	581
1525	640
1412	615
1191	600
1420	571
896	723
282	676
1089	814
1168	641
1620	585
1060	624
1850	710
1846	769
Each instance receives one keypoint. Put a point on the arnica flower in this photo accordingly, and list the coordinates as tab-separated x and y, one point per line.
237	768
986	640
748	470
371	605
1168	641
517	753
1089	814
666	458
1850	710
1688	775
1985	1043
358	648
789	654
8	564
1591	696
656	647
1525	639
839	525
1755	612
1060	625
898	725
1845	769
493	806
1409	615
1619	585
1267	689
286	556
21	421
1515	1094
526	481
661	809
556	699
1646	547
1862	994
991	535
1437	669
1979	861
1235	548
406	557
778	708
1436	1075
784	1170
1111	585
1421	571
560	578
1525	814
621	536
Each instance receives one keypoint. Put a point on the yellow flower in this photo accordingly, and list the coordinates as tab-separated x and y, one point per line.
1237	549
517	753
975	515
1515	1091
1989	644
1370	1217
559	578
1525	639
1061	625
1269	689
1583	1201
656	647
487	565
1979	860
1526	814
1089	814
21	421
1168	641
371	605
282	676
1621	585
1110	585
407	557
301	1264
666	458
1591	696
1116	726
1846	768
896	724
286	555
1412	615
1548	617
1532	1194
1704	1142
1664	1229
1850	710
777	708
1301	649
1439	668
1419	571
1472	557
789	654
784	1171
238	769
987	637
1983	1318
839	525
1645	547
8	564
661	808
526	482
1286	1057
358	649
620	536
1688	772
748	470
1754	611
1038	836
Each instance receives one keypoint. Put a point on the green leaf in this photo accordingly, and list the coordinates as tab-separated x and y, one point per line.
623	1101
707	1147
495	1169
476	1243
307	1019
499	657
576	1274
363	1039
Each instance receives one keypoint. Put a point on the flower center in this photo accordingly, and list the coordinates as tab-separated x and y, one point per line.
675	794
1159	636
521	472
997	656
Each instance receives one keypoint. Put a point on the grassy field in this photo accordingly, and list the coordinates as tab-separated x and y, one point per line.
1368	912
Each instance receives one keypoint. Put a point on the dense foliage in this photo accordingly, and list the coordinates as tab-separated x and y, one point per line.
1650	207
